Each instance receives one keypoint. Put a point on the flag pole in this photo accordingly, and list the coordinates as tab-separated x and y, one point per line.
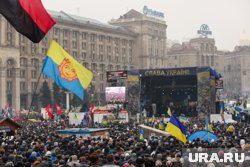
34	93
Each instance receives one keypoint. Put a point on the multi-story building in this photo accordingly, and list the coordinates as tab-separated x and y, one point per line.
151	39
99	47
237	71
196	52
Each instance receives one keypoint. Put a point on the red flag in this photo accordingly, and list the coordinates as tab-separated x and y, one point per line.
29	17
49	111
91	107
59	110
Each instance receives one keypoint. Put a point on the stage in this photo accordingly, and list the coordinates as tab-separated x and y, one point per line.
186	90
84	132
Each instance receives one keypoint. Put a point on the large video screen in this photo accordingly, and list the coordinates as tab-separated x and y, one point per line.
115	94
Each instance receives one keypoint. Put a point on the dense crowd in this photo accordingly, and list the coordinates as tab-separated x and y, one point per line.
39	145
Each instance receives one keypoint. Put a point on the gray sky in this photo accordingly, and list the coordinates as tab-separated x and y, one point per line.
226	18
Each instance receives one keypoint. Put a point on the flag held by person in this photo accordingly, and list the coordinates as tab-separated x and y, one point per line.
177	129
28	17
66	71
59	110
49	111
141	133
222	111
208	126
161	125
169	111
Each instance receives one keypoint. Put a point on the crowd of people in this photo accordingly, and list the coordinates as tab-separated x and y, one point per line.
39	145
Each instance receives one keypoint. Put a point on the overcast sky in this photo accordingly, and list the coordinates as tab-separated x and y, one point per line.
226	18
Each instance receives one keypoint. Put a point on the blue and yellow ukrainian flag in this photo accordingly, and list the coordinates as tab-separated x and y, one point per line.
183	119
177	129
208	125
66	71
161	125
237	111
141	133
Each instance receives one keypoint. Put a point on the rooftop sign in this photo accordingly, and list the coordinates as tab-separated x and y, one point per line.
204	30
151	12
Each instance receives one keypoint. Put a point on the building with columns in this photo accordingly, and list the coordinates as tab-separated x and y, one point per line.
199	51
120	45
237	72
151	40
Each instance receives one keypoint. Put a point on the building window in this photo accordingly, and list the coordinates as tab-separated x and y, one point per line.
22	39
102	66
93	66
130	52
75	54
116	50
101	38
101	57
65	33
100	48
65	43
22	49
109	39
22	85
92	37
84	35
33	86
74	44
116	41
9	85
124	42
108	49
9	72
22	73
93	56
34	63
23	61
84	45
74	35
92	47
9	36
130	43
43	51
56	31
116	59
102	87
33	49
84	55
33	74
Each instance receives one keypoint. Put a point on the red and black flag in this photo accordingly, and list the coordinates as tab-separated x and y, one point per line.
28	17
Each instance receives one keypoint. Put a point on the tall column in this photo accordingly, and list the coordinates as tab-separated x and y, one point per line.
67	100
2	87
16	90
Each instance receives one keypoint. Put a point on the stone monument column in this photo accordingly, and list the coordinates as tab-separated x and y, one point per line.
2	88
